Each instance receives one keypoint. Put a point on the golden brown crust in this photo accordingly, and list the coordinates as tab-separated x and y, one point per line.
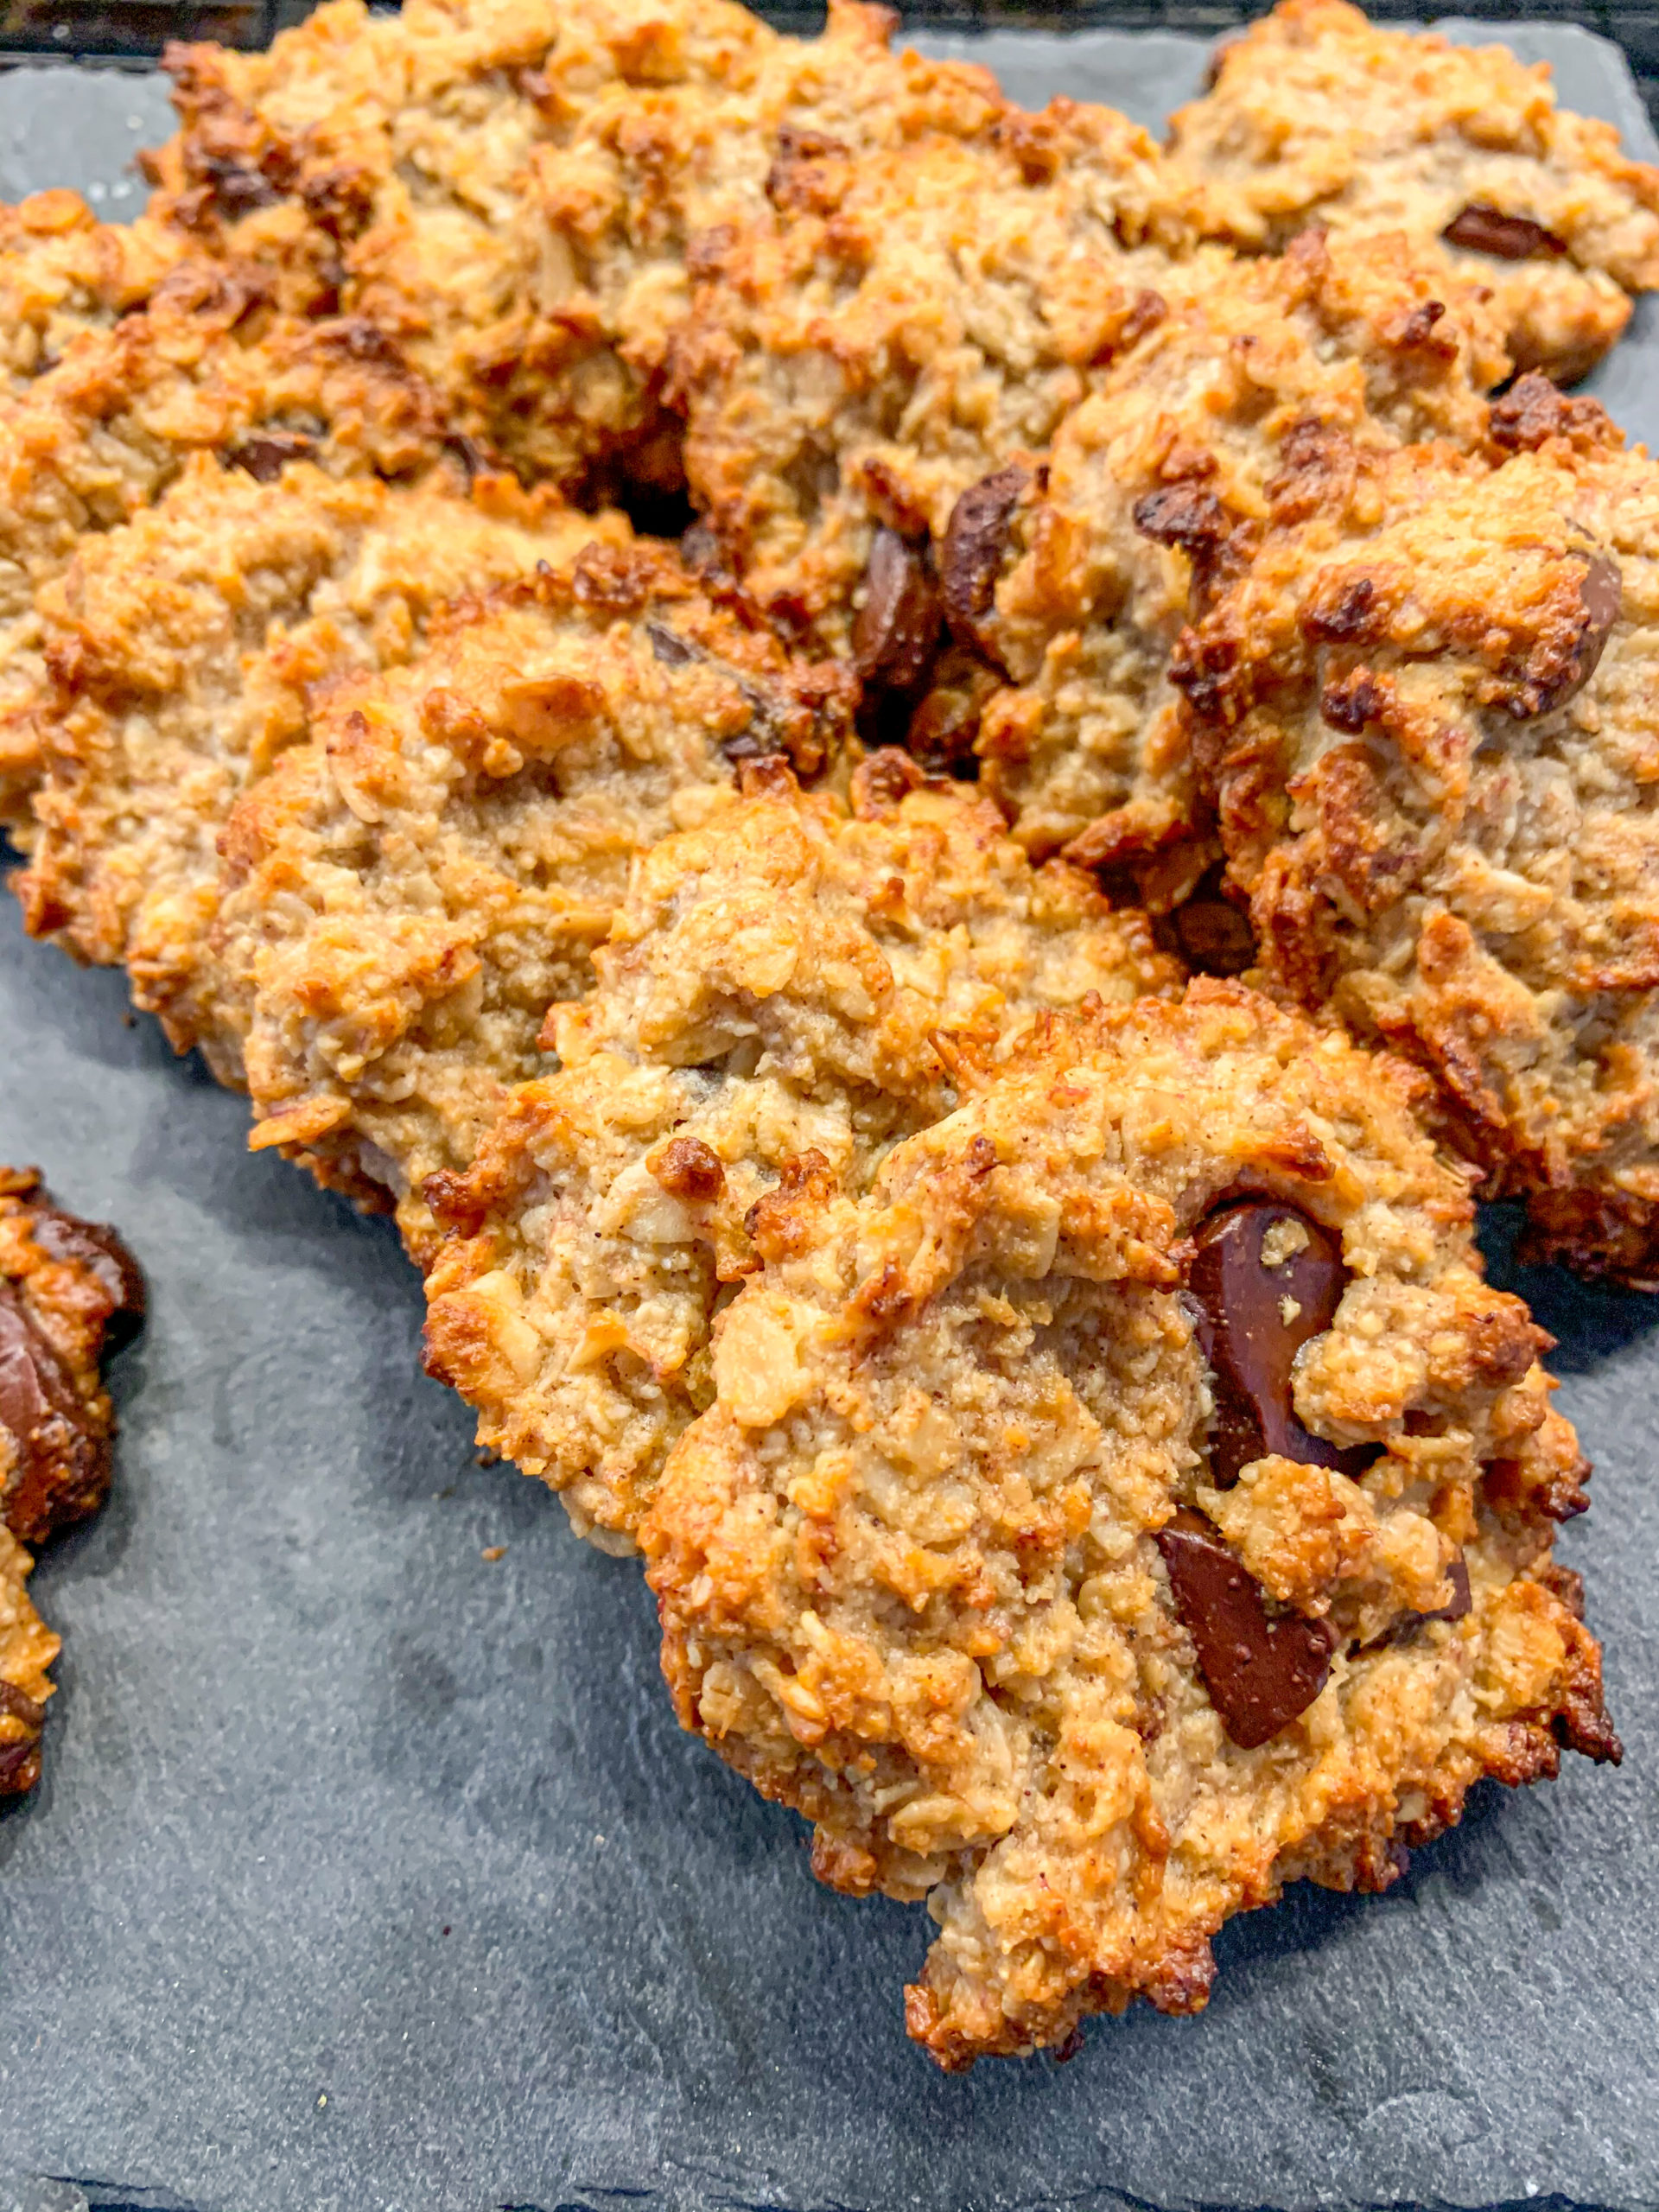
774	990
921	1567
1317	115
1424	712
408	893
182	655
205	366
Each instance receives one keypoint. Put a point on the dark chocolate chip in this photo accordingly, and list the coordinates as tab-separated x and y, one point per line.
1184	516
1212	936
1564	660
1480	229
94	1246
897	632
668	646
972	553
20	1758
1251	1343
266	456
1461	1602
1261	1669
237	188
62	1463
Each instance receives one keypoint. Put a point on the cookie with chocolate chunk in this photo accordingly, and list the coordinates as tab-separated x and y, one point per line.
1135	1502
1318	117
1424	714
70	1291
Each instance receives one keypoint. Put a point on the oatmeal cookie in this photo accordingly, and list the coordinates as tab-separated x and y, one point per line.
1136	1502
768	1016
1073	581
893	326
70	1293
407	893
1317	116
181	654
513	190
1426	712
205	367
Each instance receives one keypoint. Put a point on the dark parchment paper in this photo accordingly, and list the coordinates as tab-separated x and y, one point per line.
369	1874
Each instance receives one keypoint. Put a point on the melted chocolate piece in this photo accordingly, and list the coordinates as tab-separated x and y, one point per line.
1250	1343
896	634
20	1757
1480	229
1562	664
972	554
266	456
95	1247
1261	1669
60	1459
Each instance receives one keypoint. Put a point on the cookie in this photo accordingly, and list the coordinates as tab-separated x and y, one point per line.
1423	710
204	366
1318	117
1135	1502
1073	581
406	893
70	1293
513	192
181	655
782	994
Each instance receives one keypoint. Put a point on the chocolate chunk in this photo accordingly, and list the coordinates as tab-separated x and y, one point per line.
972	553
1261	1669
19	1755
1208	933
1480	229
668	646
266	456
1183	516
94	1246
1461	1602
60	1461
897	631
1252	1320
1563	660
238	189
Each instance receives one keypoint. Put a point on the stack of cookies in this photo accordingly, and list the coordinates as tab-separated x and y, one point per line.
936	1035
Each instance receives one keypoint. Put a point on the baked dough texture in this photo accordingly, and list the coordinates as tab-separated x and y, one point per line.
1426	708
953	1563
182	654
1319	117
784	993
407	893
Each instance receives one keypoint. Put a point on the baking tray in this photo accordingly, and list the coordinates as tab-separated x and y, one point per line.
369	1873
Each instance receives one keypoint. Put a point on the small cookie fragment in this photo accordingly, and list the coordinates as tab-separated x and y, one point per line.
1317	116
963	1562
70	1293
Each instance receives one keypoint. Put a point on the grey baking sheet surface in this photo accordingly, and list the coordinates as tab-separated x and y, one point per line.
369	1874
